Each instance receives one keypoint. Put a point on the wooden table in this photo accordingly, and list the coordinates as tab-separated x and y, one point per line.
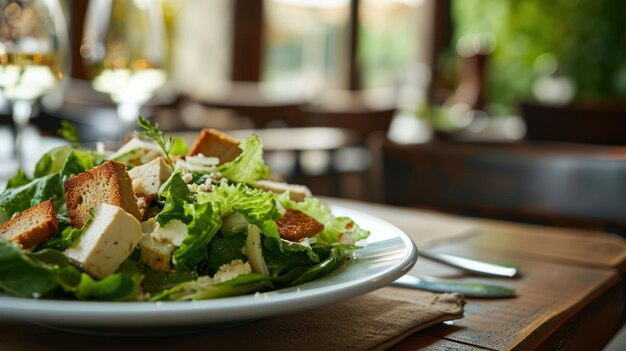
570	295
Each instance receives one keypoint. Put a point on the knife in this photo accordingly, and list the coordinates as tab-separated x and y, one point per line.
444	285
470	265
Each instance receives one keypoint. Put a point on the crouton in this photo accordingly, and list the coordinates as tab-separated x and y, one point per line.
295	226
108	183
296	192
32	226
147	178
213	143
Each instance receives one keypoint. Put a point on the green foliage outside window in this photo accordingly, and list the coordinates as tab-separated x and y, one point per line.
587	38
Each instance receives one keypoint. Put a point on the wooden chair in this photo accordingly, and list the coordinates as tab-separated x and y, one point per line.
573	185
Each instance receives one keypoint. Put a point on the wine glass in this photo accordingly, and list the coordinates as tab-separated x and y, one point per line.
124	50
33	52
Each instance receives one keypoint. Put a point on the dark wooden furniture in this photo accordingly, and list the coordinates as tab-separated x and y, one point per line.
549	183
597	122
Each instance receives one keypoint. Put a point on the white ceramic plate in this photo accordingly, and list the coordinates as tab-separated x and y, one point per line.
388	254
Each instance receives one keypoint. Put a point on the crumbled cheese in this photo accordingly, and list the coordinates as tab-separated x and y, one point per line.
148	226
141	202
187	177
215	175
205	187
231	270
196	188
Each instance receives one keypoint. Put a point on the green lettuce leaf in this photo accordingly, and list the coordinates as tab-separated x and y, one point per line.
203	220
206	222
41	273
249	166
335	228
176	195
155	282
280	256
179	147
259	208
69	236
15	200
18	180
121	286
51	171
223	250
23	276
65	158
202	289
336	259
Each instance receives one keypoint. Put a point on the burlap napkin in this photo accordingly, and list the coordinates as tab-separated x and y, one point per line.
376	320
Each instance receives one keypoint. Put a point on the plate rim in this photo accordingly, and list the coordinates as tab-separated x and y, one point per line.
107	313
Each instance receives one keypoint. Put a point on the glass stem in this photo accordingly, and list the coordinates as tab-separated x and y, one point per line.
21	114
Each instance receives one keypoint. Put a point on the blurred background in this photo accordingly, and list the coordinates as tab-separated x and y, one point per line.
509	109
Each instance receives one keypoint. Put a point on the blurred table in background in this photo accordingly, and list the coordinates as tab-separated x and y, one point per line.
253	101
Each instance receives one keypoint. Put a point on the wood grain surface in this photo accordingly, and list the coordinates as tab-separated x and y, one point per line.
570	279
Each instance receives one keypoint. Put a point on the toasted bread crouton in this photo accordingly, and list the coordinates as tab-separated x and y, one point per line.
108	183
295	226
147	178
32	226
213	143
296	192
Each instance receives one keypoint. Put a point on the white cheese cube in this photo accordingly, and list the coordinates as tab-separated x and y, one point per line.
147	178
155	254
107	242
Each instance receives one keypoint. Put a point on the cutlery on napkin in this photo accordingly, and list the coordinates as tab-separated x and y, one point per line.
446	285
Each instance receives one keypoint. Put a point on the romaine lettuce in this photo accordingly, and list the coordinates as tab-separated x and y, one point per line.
42	273
51	171
338	231
249	166
202	289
